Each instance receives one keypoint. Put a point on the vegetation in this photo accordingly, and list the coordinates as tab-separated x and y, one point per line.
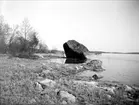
18	77
4	33
23	40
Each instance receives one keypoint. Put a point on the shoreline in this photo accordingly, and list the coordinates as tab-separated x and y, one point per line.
40	81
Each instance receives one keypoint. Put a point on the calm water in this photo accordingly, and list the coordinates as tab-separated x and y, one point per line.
119	67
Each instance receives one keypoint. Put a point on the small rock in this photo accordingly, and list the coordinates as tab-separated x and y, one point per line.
43	74
46	71
69	97
38	86
64	102
128	88
109	89
21	65
43	64
96	76
40	56
78	67
32	101
108	96
48	82
92	83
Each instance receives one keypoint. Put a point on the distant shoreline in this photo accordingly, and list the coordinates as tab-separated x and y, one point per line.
100	52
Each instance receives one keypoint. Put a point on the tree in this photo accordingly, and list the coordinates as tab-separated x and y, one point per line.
4	33
23	40
26	28
33	41
4	27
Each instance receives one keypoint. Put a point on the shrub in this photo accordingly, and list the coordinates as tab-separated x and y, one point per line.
54	51
23	41
42	48
21	47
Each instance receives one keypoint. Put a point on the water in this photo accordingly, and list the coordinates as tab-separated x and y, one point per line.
123	68
120	67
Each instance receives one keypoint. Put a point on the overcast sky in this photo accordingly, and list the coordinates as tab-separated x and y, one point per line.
99	25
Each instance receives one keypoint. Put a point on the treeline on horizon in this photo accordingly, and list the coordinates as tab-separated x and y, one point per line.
100	52
21	40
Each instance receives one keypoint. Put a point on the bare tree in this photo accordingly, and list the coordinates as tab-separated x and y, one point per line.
23	40
13	34
26	28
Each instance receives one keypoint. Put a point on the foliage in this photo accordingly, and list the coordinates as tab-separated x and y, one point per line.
4	32
54	50
4	27
23	40
42	48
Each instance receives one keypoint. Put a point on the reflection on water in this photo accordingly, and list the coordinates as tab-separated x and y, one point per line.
67	61
74	61
118	67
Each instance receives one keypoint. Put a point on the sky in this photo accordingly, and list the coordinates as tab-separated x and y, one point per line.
100	25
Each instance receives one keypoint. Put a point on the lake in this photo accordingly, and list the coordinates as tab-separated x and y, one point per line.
123	68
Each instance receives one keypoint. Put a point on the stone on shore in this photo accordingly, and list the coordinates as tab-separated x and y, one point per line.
97	76
65	96
47	82
92	83
95	65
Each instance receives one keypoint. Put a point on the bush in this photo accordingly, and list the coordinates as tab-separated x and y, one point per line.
23	41
20	47
42	48
54	51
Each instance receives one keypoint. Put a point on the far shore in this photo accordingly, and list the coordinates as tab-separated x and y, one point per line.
101	52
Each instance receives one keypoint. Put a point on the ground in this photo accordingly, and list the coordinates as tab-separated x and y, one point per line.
18	78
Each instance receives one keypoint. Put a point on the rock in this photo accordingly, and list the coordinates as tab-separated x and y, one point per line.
44	73
47	82
78	67
108	96
96	76
64	102
38	86
40	56
32	101
75	50
95	65
109	89
92	83
128	88
67	96
21	65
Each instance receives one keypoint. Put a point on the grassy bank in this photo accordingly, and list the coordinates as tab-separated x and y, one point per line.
18	77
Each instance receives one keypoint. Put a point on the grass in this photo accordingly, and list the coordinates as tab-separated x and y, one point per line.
17	78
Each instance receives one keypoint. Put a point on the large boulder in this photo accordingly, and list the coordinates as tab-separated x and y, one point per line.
75	50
